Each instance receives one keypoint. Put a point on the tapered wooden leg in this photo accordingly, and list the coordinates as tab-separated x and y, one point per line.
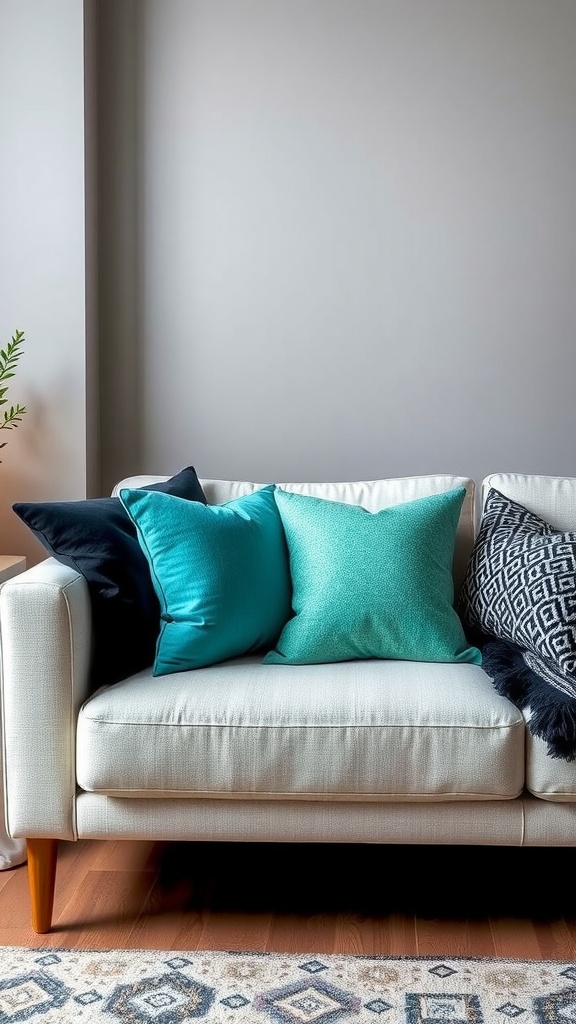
42	855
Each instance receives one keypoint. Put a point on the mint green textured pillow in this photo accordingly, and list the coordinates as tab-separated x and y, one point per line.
371	584
221	574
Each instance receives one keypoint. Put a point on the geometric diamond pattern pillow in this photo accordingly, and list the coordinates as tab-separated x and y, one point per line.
520	584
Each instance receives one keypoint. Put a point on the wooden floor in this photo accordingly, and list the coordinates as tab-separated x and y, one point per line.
449	901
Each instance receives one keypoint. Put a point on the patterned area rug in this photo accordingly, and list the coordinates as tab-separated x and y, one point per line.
143	986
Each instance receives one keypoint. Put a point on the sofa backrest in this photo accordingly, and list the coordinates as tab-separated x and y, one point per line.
553	498
373	495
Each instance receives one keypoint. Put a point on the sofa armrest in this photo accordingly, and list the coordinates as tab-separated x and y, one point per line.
45	634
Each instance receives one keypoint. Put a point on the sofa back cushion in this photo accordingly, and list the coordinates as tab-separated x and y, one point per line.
372	495
553	498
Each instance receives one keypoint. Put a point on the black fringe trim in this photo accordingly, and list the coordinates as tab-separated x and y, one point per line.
552	713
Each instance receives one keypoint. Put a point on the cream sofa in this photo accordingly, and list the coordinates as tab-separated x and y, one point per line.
363	751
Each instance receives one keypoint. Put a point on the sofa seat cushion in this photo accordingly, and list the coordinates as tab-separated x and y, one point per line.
549	778
357	730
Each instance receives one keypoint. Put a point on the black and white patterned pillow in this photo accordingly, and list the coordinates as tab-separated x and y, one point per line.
520	585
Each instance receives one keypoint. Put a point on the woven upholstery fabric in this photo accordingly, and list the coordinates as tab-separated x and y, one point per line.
549	778
372	495
553	498
345	731
526	821
45	651
494	822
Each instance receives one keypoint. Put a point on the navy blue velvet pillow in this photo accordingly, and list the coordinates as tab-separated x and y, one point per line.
98	539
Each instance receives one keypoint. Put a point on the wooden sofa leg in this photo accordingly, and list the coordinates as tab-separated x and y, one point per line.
42	856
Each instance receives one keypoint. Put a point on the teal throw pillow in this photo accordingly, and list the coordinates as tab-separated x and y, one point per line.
371	584
220	572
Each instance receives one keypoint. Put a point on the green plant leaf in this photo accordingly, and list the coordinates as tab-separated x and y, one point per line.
9	357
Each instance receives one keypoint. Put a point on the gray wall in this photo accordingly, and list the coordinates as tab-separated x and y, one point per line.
344	237
47	230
